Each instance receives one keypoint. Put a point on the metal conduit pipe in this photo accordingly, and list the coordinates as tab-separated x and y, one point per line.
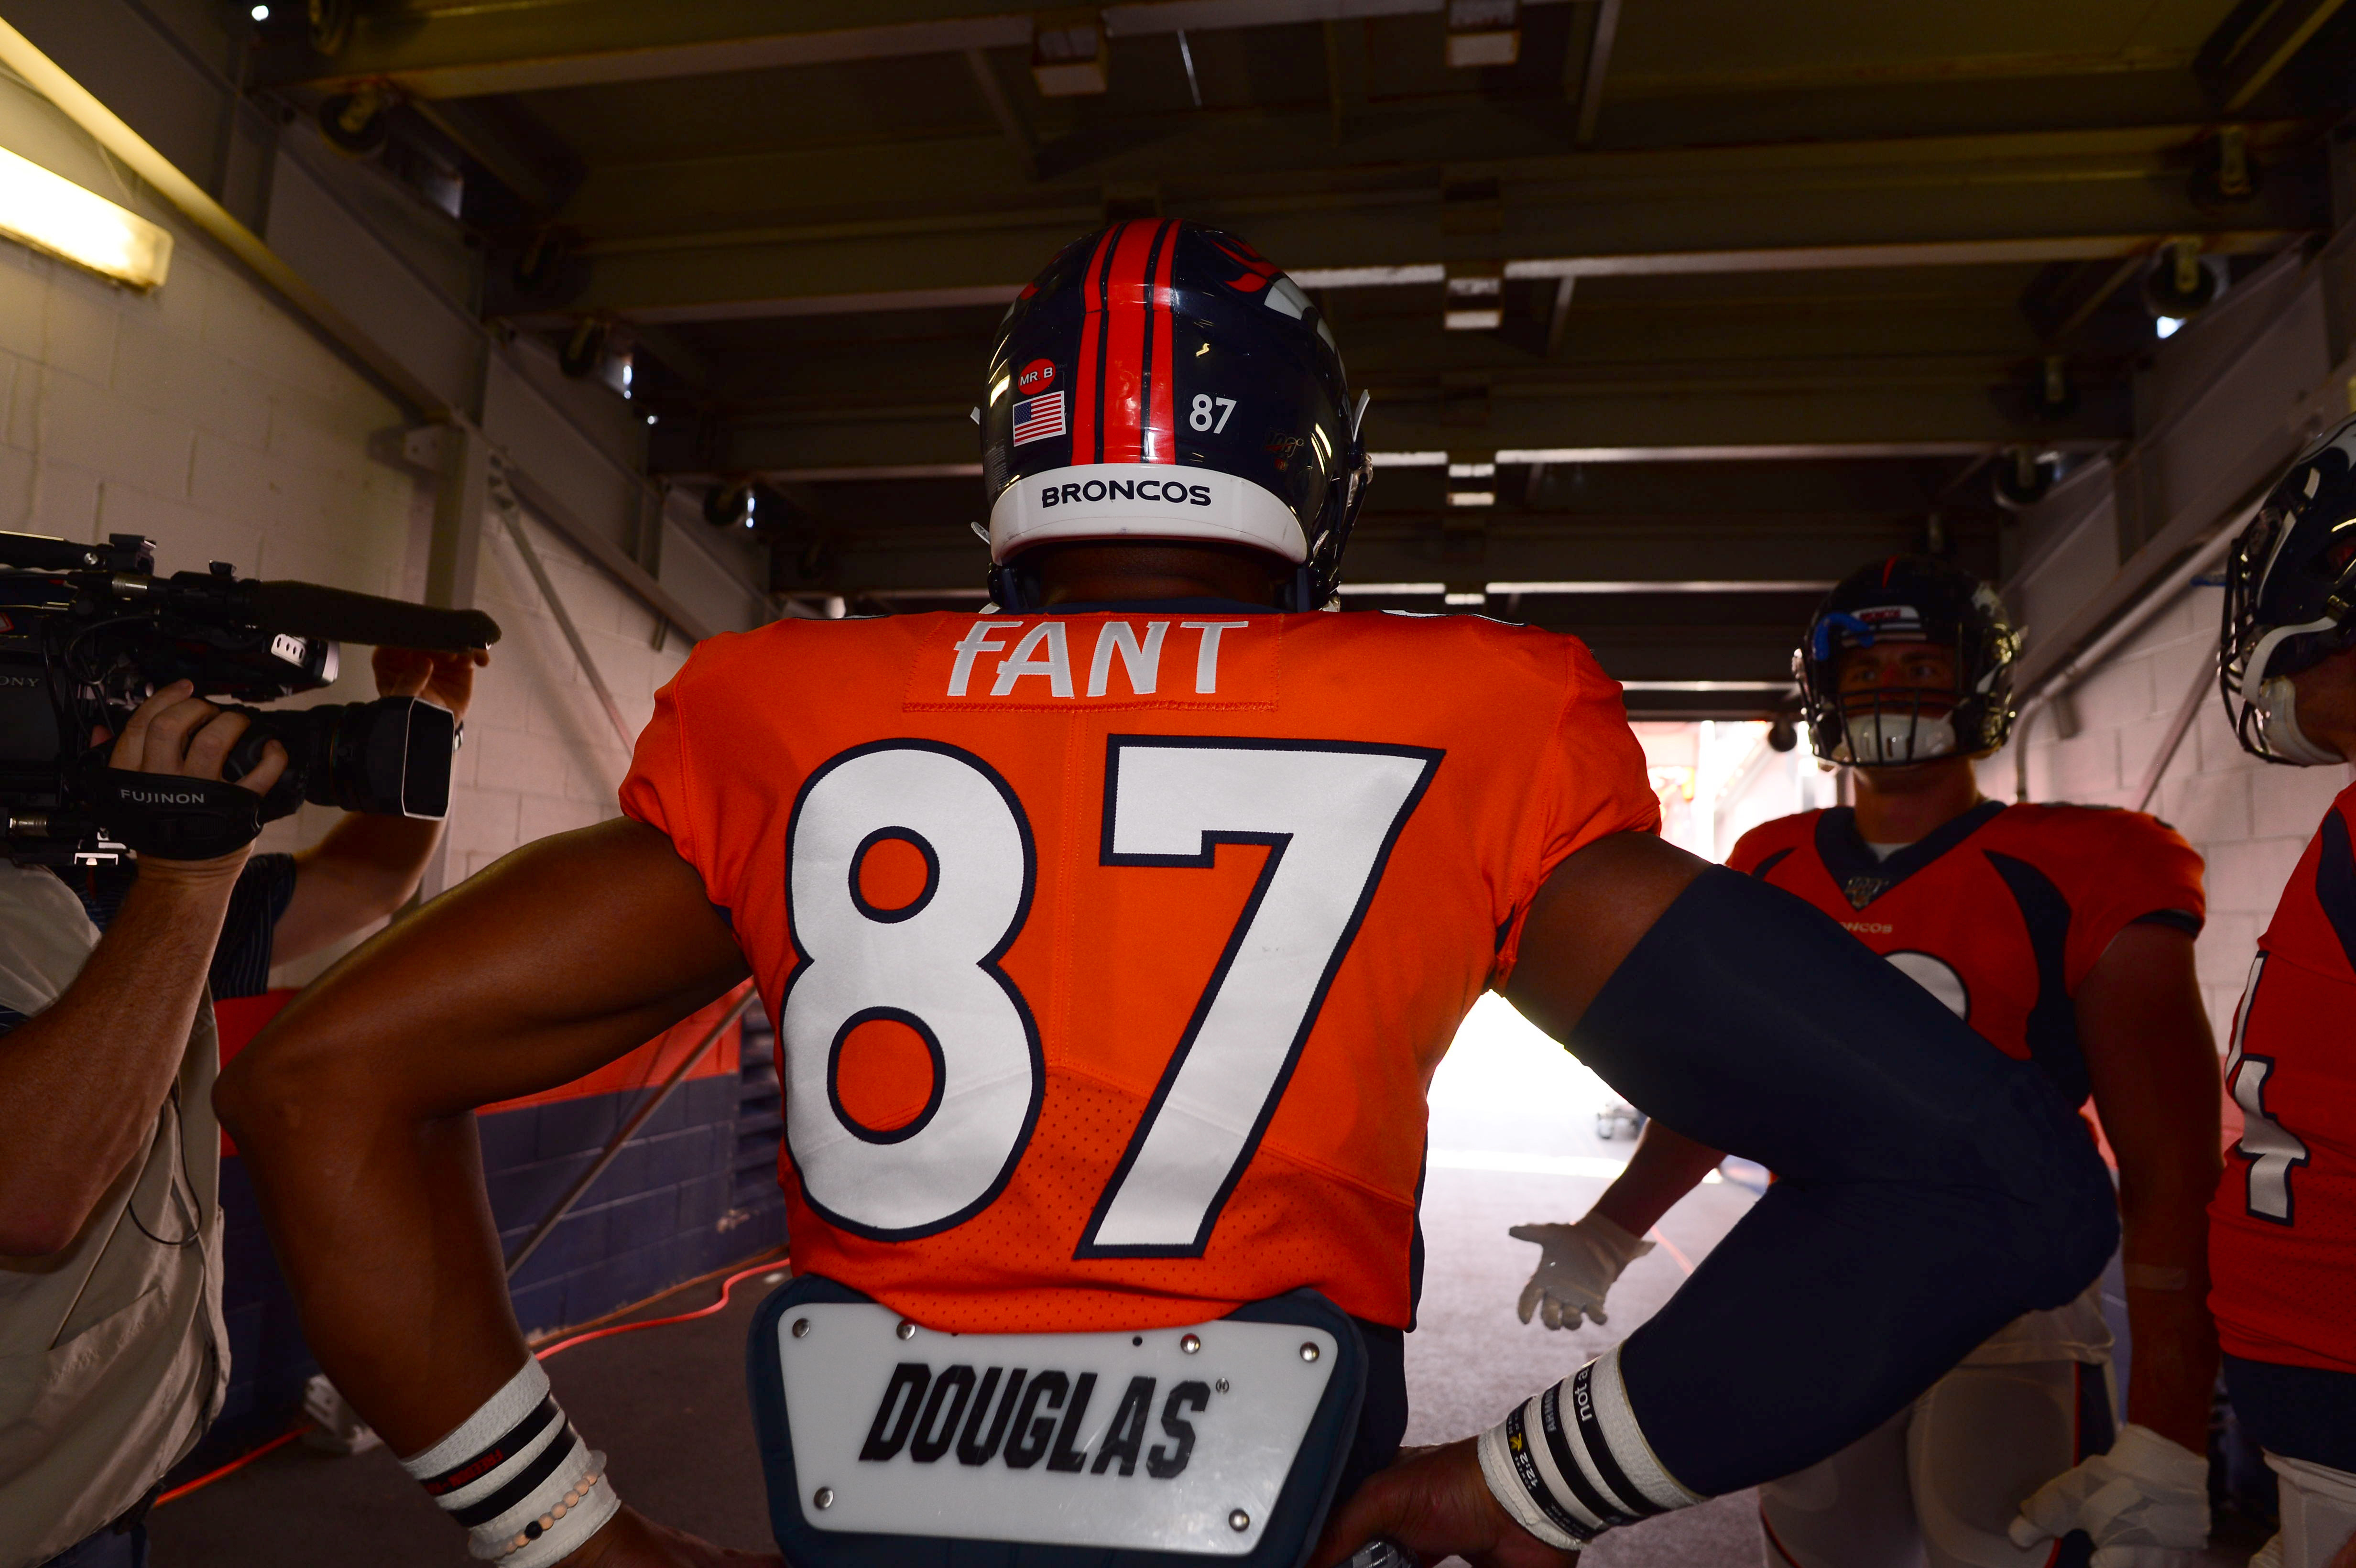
2131	621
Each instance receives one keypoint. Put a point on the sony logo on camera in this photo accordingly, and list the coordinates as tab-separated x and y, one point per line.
1037	1417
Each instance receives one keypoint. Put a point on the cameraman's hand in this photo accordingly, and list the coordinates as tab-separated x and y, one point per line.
443	677
178	733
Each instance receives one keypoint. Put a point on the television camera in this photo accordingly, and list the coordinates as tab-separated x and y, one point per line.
88	631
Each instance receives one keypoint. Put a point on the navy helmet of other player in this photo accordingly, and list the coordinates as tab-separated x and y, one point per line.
1164	380
1908	599
2290	580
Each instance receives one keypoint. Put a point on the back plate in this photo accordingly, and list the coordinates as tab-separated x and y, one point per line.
1226	1454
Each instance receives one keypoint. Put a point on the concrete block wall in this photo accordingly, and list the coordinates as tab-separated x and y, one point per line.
2249	819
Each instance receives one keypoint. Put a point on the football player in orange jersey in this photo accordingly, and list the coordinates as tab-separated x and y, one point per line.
1112	934
2064	935
2281	1239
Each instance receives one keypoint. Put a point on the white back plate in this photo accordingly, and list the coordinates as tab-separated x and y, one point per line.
1258	1393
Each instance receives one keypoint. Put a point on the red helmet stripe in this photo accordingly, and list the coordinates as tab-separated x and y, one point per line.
1122	299
1160	437
1087	376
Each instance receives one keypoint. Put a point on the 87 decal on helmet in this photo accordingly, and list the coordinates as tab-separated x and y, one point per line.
1908	599
1162	380
2290	582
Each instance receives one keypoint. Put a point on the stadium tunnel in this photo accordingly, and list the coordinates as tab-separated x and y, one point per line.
636	325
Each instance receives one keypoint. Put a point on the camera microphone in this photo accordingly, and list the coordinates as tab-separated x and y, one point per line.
310	610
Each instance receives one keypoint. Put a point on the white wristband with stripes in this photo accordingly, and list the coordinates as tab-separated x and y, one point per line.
1570	1463
518	1476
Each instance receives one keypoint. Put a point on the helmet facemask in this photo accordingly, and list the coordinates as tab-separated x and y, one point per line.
1895	723
2291	580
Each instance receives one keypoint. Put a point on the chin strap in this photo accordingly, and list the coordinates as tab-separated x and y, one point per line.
1301	593
1011	590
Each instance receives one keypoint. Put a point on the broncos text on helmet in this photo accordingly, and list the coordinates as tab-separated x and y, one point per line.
1162	381
1908	599
2290	582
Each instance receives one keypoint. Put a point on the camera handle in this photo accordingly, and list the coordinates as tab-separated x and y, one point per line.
168	815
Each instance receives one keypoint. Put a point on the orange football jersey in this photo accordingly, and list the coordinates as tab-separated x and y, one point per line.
1111	952
2000	915
2282	1236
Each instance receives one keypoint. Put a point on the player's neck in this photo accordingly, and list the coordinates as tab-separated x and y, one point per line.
1095	573
1905	805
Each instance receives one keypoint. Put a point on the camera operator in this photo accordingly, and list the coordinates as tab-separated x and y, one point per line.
113	1353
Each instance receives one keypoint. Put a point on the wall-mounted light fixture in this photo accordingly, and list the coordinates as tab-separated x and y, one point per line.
51	213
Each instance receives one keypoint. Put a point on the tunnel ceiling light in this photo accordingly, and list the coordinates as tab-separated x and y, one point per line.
52	213
261	13
1067	53
1483	33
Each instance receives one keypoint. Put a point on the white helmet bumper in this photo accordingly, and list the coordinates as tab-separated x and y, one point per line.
1142	500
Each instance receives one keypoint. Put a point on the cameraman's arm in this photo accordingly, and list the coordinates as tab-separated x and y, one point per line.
368	866
81	1082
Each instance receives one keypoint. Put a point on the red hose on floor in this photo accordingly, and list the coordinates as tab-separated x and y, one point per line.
727	1285
774	1265
239	1463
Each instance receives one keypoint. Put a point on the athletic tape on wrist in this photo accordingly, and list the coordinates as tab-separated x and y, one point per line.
1573	1459
518	1477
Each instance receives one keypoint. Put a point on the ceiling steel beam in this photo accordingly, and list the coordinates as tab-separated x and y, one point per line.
739	281
1598	62
916	559
2254	43
669	238
430	50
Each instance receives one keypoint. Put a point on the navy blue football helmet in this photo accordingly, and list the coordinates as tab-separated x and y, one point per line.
1911	599
1162	381
2290	582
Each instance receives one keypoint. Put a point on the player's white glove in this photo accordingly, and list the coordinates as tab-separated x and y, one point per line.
1577	1265
2143	1503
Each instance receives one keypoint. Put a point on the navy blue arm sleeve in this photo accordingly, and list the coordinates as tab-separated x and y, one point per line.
1930	1187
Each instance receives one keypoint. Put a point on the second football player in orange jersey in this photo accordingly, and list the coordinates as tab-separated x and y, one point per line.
2063	936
